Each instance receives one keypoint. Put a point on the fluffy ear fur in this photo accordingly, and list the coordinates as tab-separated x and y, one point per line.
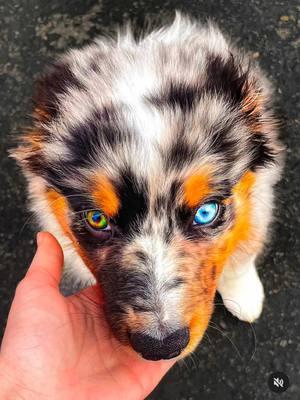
256	105
245	87
56	80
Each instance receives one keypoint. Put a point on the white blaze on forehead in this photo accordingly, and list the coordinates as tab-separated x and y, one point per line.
136	82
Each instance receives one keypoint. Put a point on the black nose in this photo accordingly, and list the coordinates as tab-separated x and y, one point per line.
156	349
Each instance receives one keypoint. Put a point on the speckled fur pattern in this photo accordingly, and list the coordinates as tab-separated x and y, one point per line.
147	130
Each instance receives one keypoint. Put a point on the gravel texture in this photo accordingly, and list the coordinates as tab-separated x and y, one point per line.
235	359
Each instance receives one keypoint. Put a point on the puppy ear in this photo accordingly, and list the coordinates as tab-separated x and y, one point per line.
257	101
57	79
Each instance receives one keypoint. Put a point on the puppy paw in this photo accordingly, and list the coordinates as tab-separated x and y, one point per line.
243	295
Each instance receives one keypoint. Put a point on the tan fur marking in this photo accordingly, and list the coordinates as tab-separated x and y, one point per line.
203	269
105	195
59	206
196	188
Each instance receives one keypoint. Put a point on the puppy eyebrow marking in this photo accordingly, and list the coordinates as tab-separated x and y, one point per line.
196	188
105	195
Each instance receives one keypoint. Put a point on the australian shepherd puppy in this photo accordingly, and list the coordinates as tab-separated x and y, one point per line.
153	161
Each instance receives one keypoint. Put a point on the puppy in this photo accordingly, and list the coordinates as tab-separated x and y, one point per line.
153	162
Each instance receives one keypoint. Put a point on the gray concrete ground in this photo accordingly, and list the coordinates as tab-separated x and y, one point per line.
235	359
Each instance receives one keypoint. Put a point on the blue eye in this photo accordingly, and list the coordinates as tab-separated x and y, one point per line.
206	213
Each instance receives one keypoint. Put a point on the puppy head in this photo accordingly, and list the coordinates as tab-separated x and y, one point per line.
147	154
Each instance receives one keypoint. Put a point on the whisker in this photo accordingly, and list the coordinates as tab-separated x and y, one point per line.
249	323
31	217
84	210
182	363
227	337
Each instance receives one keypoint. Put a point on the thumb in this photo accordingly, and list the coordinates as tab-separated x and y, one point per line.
47	264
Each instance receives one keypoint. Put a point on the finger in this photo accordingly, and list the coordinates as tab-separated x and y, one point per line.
47	264
152	372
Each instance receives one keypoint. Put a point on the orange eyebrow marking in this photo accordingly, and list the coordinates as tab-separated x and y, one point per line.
105	195
196	187
59	207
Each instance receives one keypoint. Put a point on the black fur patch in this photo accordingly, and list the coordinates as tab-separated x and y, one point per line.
123	288
133	199
56	80
225	78
262	153
183	216
177	94
85	144
180	153
222	143
88	140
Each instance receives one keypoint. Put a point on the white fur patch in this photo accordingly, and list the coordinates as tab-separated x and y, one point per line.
242	291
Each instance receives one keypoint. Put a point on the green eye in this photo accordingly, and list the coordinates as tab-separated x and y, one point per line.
97	220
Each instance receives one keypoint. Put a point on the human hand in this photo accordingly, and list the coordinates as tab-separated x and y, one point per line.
57	347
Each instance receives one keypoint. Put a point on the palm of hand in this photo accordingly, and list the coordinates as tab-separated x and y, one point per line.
62	348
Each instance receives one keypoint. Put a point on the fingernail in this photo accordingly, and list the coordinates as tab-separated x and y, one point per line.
39	238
